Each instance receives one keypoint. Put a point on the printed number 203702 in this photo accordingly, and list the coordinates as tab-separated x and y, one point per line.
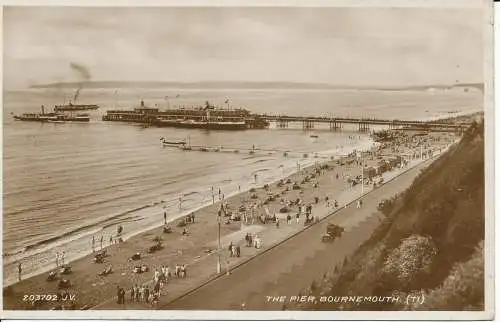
39	297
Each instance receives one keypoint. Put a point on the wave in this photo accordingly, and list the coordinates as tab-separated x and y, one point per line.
80	229
262	160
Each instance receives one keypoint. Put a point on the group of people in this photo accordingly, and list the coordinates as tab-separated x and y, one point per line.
235	250
142	294
60	259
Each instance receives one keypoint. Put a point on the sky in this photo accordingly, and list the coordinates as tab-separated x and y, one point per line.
336	45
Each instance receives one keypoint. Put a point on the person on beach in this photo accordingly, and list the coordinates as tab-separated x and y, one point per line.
62	258
19	270
165	217
297	216
110	240
288	219
156	289
156	276
358	204
57	259
177	269
336	204
93	244
102	239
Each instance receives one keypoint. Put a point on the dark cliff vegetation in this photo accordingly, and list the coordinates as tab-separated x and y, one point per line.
431	241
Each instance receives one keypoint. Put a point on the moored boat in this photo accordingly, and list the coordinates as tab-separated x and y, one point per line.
52	117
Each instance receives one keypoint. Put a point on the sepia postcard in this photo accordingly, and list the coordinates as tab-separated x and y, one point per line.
310	160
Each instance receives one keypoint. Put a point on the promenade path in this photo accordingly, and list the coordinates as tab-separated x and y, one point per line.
291	266
250	274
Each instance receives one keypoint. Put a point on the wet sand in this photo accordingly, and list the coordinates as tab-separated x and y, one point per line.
93	291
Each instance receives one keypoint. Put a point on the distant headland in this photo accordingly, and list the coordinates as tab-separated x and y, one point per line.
245	85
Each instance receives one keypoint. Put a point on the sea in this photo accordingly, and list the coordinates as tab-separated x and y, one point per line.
64	183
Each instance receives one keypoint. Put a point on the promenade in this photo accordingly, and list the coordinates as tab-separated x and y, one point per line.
290	267
257	270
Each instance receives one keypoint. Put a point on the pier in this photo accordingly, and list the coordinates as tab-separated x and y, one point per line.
215	118
363	124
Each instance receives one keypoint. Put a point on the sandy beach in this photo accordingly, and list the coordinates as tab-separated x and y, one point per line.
198	250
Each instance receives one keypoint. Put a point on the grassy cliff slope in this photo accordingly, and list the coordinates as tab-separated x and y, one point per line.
430	243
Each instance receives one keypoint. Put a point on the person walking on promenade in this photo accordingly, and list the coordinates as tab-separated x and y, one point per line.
297	216
165	217
122	295
177	269
238	251
138	292
288	219
146	294
110	240
118	295
132	294
19	270
93	244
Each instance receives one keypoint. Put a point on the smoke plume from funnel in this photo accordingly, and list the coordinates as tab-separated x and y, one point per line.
83	74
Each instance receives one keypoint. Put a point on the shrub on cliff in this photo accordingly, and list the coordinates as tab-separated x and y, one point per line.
463	289
407	264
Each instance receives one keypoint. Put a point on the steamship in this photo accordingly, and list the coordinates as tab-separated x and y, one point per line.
205	117
75	107
52	117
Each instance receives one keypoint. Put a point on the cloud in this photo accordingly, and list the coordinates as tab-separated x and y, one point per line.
335	45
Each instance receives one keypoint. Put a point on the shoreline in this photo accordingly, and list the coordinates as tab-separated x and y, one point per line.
306	163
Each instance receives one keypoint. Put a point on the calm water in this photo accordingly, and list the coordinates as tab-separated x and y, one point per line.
64	183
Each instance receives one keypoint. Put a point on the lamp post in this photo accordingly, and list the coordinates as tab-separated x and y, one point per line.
362	174
218	237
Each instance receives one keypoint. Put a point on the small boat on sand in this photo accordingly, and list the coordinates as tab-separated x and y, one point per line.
314	136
